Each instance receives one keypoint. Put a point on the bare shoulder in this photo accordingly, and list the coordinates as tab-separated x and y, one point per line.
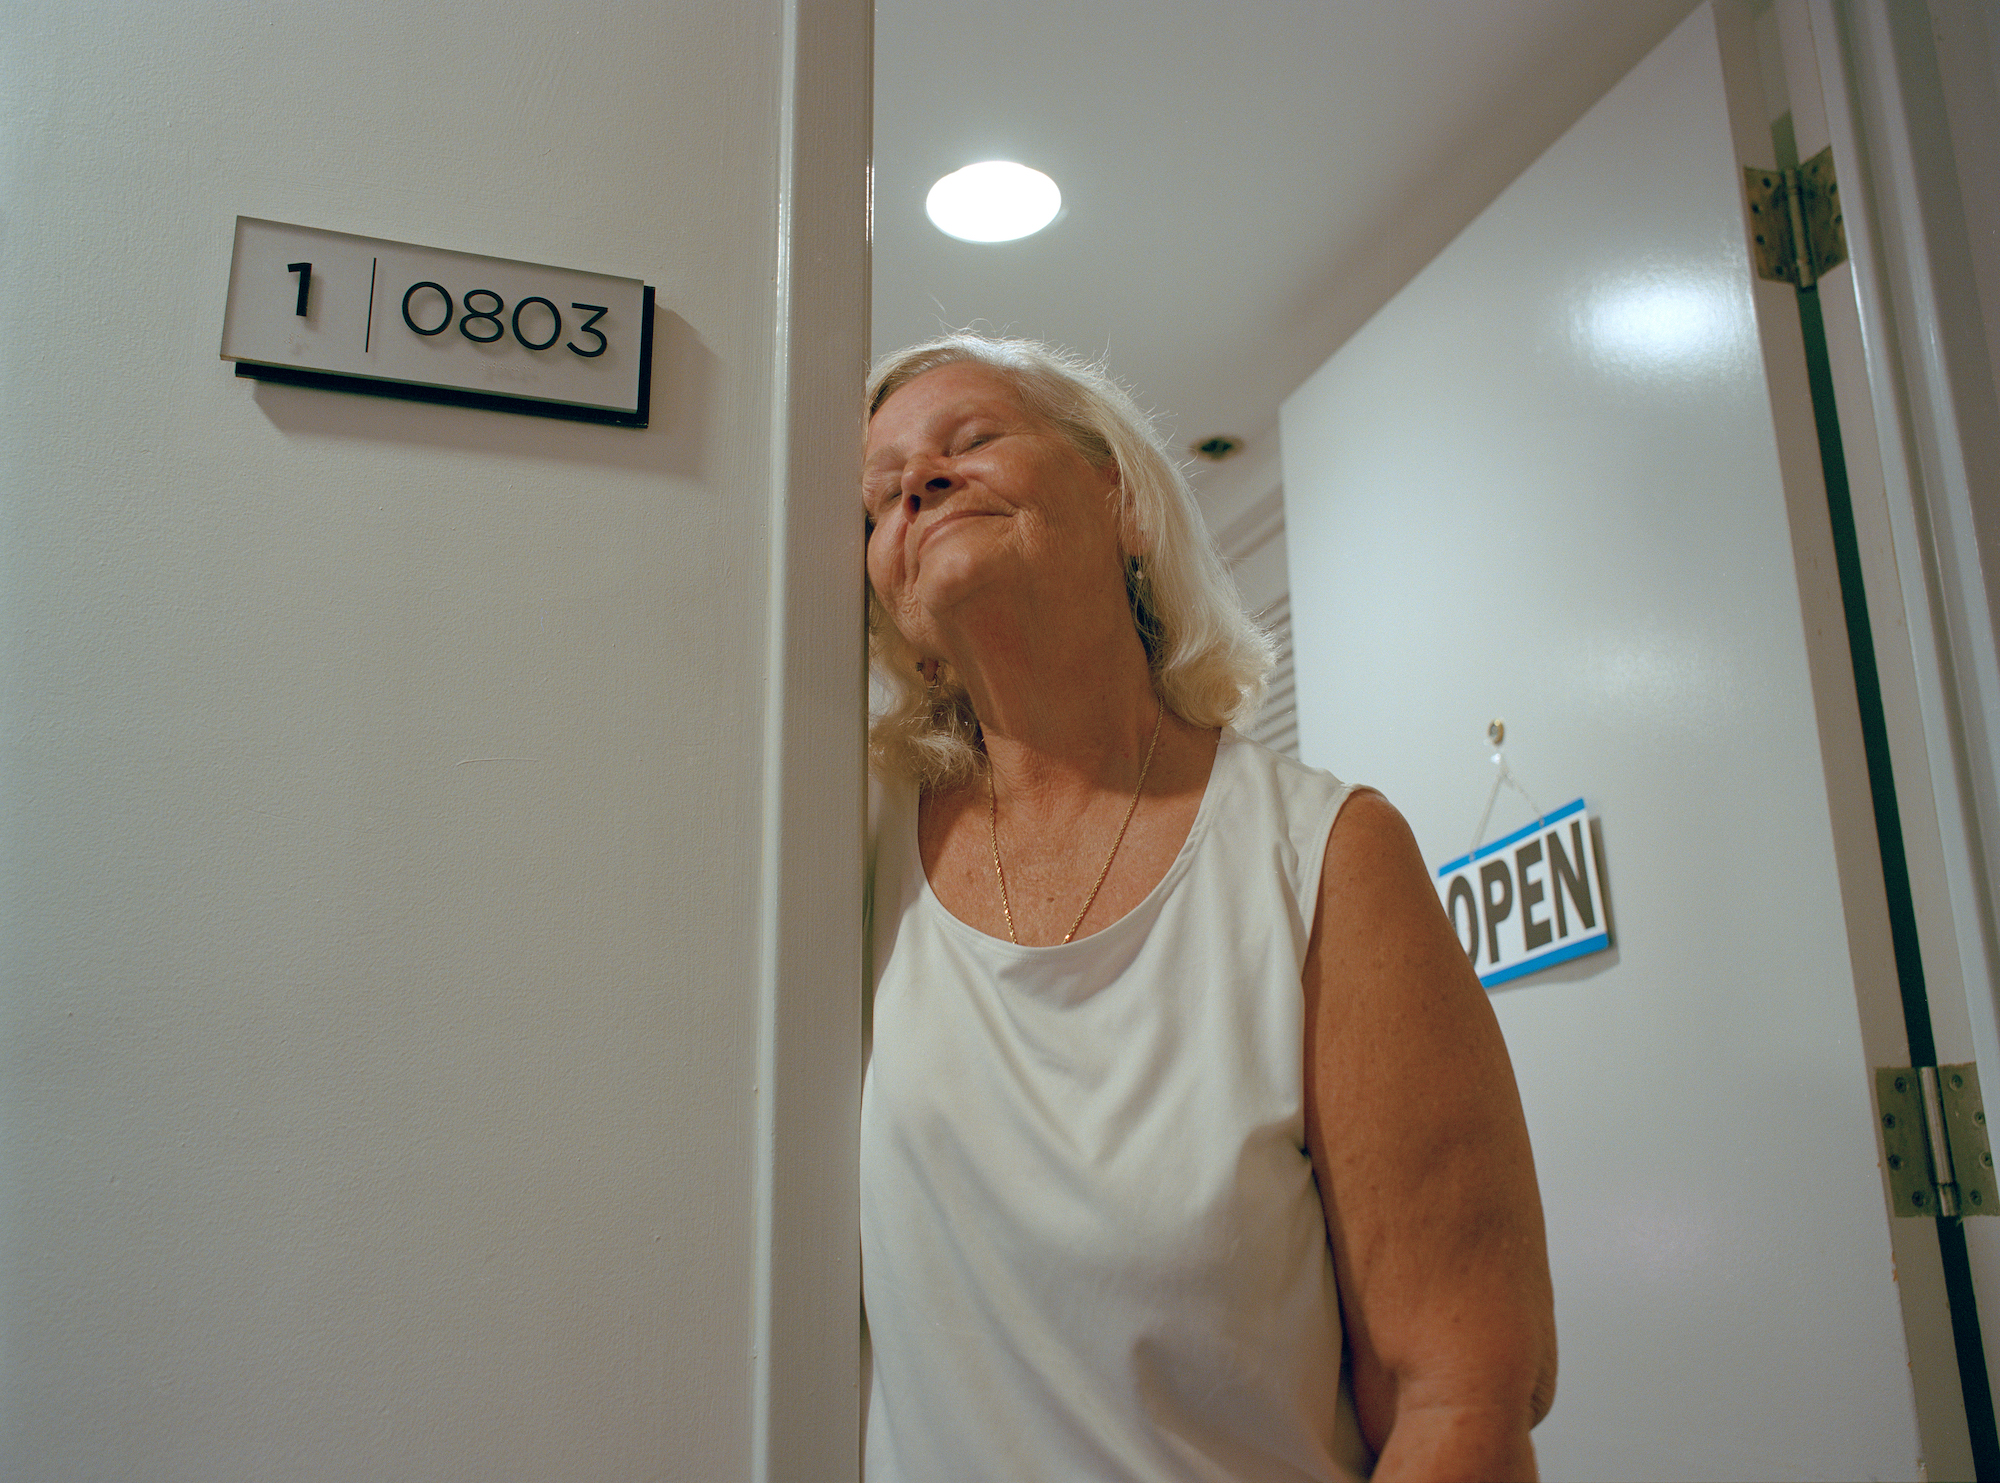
1389	991
1377	905
1370	834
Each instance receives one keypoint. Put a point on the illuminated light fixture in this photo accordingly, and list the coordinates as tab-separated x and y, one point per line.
993	201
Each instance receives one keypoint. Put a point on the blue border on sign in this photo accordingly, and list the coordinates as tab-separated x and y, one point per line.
1500	844
1547	960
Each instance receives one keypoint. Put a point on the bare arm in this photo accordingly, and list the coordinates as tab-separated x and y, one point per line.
1422	1158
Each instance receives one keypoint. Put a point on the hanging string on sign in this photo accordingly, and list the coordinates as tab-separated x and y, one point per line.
1532	898
1496	733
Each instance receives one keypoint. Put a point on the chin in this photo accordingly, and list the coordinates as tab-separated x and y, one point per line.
953	572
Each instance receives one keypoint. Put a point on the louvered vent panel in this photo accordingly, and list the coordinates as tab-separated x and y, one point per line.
1277	722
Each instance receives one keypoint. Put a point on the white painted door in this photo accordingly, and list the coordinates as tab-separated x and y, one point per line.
430	837
1566	478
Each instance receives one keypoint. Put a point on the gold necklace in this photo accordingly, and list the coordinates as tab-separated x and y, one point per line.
993	833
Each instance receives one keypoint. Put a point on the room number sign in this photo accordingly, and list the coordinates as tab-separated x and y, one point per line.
327	309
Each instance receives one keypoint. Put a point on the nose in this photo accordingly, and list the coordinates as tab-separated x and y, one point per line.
926	479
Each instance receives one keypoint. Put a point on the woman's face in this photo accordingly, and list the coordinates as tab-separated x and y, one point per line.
967	494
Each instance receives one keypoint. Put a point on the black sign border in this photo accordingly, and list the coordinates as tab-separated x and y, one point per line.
451	396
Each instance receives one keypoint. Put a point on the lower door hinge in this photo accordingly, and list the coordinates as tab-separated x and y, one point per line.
1796	228
1934	1143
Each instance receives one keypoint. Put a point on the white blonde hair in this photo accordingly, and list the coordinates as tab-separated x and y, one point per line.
1208	658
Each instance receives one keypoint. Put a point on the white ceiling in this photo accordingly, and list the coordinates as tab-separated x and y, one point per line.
1243	185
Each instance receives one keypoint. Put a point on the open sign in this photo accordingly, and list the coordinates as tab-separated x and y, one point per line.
1531	900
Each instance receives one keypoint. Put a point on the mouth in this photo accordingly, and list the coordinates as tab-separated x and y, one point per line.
950	517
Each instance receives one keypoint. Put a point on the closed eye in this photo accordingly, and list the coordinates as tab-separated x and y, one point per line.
875	501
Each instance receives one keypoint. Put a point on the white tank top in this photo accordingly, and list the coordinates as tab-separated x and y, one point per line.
1091	1243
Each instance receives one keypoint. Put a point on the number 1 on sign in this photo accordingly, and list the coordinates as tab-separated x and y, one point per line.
305	272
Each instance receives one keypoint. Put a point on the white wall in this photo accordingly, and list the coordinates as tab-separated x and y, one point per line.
1568	478
383	835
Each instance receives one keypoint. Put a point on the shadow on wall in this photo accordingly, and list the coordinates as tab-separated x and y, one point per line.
685	372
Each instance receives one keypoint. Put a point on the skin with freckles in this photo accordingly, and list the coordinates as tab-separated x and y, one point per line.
968	497
998	549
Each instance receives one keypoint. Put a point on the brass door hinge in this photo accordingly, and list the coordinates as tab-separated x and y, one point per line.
1796	228
1934	1143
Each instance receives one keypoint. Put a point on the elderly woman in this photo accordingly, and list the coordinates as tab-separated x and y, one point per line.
1190	1148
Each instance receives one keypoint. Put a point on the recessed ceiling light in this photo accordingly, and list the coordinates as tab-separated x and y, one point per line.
993	201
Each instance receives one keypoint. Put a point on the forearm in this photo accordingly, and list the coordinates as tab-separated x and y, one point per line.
1455	1393
1457	1444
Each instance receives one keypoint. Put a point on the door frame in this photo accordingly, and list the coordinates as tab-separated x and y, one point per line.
1915	393
805	1342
